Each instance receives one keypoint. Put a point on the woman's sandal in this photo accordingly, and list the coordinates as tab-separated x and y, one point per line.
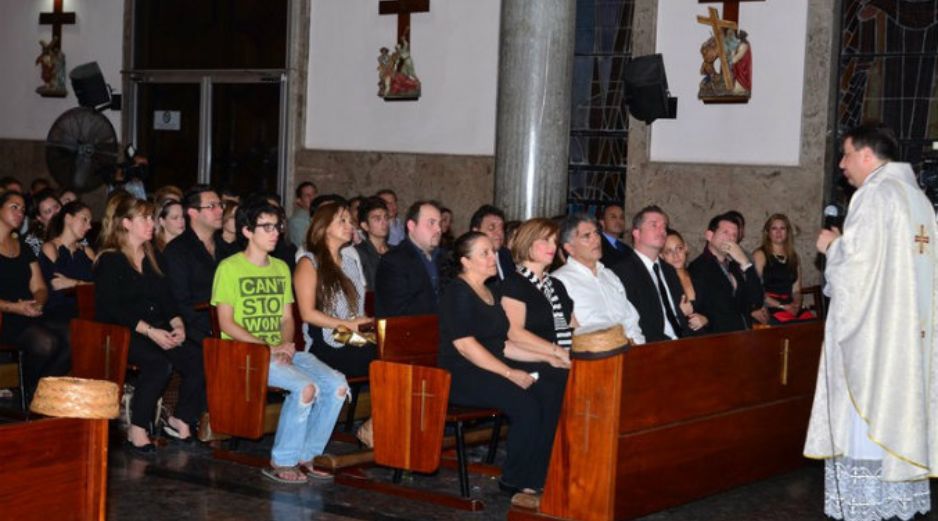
278	474
313	472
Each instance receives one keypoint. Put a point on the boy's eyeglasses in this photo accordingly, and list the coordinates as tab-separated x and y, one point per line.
270	227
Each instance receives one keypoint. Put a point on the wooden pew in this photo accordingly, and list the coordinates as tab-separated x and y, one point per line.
99	351
666	423
53	468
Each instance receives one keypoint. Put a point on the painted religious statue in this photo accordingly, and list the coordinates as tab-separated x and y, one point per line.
52	63
397	79
727	63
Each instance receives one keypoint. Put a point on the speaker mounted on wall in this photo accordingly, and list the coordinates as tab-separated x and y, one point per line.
89	86
646	89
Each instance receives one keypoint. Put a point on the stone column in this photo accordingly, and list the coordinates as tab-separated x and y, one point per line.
533	121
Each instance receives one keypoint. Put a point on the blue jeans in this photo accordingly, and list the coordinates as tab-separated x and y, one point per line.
305	428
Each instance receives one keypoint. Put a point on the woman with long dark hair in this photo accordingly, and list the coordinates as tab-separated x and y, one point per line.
64	260
330	291
45	206
23	295
130	290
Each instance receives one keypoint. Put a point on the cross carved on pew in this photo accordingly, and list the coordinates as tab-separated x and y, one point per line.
423	394
247	378
107	357
57	18
403	8
921	239
587	418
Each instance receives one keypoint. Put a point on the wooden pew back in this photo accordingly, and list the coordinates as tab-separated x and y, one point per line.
409	340
54	468
236	386
99	351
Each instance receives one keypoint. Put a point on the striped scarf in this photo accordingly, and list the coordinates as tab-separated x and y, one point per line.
561	327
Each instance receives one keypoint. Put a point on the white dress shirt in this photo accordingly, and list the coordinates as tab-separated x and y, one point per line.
650	266
599	300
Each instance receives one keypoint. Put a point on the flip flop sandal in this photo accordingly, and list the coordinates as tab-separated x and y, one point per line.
314	473
275	474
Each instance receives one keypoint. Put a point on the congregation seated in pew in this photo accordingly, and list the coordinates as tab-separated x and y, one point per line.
253	293
489	371
131	290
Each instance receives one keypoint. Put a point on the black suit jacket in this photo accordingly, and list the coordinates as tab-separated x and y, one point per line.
611	255
191	271
642	291
715	298
402	284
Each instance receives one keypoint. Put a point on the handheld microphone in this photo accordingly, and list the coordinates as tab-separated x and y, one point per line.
833	217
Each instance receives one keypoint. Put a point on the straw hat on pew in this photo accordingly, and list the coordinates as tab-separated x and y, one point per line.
67	397
599	343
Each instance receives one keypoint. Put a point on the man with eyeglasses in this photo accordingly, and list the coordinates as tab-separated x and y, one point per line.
253	293
192	257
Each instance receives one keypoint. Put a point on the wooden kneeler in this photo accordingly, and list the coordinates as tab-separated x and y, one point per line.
408	407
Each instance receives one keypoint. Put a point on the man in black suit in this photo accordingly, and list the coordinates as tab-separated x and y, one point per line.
410	276
191	259
651	285
728	287
612	220
490	220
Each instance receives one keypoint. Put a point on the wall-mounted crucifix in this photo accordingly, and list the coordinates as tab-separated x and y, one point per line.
397	79
728	45
52	59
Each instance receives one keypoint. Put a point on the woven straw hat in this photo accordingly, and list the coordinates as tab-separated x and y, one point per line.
67	397
599	343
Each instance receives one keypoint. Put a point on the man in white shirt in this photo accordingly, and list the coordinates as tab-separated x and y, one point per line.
598	295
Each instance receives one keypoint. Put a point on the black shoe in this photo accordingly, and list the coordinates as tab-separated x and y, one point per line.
141	450
511	490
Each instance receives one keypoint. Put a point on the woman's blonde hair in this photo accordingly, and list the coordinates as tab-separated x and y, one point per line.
114	235
788	246
527	234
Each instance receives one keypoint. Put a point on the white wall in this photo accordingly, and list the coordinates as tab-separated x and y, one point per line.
96	36
455	52
767	130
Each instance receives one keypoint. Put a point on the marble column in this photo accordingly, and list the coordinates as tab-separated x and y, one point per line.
533	121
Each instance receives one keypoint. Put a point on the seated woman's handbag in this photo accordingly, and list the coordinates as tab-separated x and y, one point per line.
347	337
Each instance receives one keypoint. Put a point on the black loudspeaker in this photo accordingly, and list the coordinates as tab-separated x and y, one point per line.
89	86
646	89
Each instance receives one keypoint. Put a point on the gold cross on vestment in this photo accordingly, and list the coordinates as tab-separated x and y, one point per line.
587	418
423	394
921	239
718	26
247	378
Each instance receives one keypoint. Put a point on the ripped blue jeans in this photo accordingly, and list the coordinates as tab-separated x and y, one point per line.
305	428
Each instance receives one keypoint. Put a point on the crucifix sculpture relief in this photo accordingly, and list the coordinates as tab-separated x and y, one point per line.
397	79
728	47
52	59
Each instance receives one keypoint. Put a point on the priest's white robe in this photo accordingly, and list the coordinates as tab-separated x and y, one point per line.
876	398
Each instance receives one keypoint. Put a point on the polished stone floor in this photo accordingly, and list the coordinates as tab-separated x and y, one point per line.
186	483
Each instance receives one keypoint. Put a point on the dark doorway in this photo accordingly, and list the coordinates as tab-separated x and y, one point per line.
245	134
168	132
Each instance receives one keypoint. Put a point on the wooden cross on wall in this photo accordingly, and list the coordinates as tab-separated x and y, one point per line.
403	8
57	18
730	8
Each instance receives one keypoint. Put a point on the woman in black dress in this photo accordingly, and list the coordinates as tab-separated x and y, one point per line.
778	265
65	261
130	290
474	347
23	295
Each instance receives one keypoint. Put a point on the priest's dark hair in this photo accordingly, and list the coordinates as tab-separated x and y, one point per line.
877	137
484	211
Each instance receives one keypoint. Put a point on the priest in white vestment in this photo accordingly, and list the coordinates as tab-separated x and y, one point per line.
875	414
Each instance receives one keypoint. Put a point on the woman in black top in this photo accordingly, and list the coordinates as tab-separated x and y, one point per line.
130	290
23	294
778	265
65	261
473	346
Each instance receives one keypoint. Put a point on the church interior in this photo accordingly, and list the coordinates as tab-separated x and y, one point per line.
542	108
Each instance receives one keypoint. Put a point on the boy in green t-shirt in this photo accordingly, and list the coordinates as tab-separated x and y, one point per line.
253	294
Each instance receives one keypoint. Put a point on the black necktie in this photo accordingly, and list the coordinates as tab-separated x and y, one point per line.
663	294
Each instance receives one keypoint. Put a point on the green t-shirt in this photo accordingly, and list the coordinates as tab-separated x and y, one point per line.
258	294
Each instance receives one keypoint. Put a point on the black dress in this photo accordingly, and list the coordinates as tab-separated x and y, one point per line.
539	314
778	278
531	411
62	305
44	346
125	296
